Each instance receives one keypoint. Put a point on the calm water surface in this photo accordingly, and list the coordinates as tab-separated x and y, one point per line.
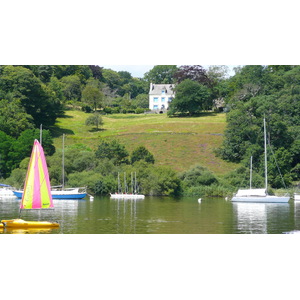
160	215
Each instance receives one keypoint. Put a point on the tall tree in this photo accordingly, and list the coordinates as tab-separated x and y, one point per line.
191	97
161	74
92	94
195	73
37	98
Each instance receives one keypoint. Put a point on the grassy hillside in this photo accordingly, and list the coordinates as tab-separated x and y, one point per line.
176	142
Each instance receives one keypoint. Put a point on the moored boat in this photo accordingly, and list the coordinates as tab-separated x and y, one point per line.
59	193
36	193
19	223
259	195
6	190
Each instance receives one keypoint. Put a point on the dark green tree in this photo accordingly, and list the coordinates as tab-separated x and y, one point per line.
37	98
141	153
13	118
161	74
191	97
113	151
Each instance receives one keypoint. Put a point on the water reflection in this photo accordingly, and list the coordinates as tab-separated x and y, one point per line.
261	217
126	215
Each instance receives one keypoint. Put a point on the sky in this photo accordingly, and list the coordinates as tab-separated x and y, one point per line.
140	70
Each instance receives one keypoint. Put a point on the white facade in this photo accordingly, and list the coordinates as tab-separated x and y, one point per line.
160	96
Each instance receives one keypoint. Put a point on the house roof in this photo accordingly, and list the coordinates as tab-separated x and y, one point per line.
156	89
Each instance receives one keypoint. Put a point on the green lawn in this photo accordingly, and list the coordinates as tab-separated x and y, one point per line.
176	142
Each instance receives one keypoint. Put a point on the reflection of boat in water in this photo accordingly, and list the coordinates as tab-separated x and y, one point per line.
260	217
27	230
297	197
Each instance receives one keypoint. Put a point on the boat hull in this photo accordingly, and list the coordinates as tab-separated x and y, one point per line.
266	199
126	196
57	195
19	223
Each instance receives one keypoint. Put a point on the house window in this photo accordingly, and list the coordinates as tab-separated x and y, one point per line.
170	99
155	106
162	99
163	92
155	99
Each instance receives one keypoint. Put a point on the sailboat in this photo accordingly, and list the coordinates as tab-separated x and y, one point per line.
6	191
37	193
60	192
259	195
133	195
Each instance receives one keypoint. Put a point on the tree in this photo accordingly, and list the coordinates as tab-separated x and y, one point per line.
97	72
37	98
94	119
195	73
72	87
92	95
191	97
6	143
13	118
142	101
161	74
112	151
141	153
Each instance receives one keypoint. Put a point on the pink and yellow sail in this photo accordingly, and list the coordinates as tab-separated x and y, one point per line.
37	191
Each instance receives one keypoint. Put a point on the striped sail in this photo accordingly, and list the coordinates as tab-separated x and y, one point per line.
37	192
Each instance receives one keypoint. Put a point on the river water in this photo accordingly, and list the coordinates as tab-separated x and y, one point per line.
160	215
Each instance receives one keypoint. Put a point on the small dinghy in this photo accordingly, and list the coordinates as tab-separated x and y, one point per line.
37	193
19	223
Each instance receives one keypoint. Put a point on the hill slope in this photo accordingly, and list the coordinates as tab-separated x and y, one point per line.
176	142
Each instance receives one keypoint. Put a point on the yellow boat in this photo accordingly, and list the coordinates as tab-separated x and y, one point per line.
19	223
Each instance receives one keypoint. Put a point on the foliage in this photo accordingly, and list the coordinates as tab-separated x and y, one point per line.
141	153
273	92
92	95
13	118
71	87
161	74
36	98
94	119
113	151
191	97
195	73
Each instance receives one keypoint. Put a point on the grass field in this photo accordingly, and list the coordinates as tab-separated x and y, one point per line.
176	142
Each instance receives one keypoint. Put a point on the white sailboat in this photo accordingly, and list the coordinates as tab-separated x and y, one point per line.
126	195
259	195
6	191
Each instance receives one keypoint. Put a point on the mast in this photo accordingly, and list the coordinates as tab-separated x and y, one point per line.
63	162
251	173
41	133
125	185
266	162
119	184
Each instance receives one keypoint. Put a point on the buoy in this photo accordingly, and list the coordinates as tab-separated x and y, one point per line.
226	198
199	200
91	197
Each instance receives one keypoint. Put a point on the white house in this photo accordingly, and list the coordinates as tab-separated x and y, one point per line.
160	96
